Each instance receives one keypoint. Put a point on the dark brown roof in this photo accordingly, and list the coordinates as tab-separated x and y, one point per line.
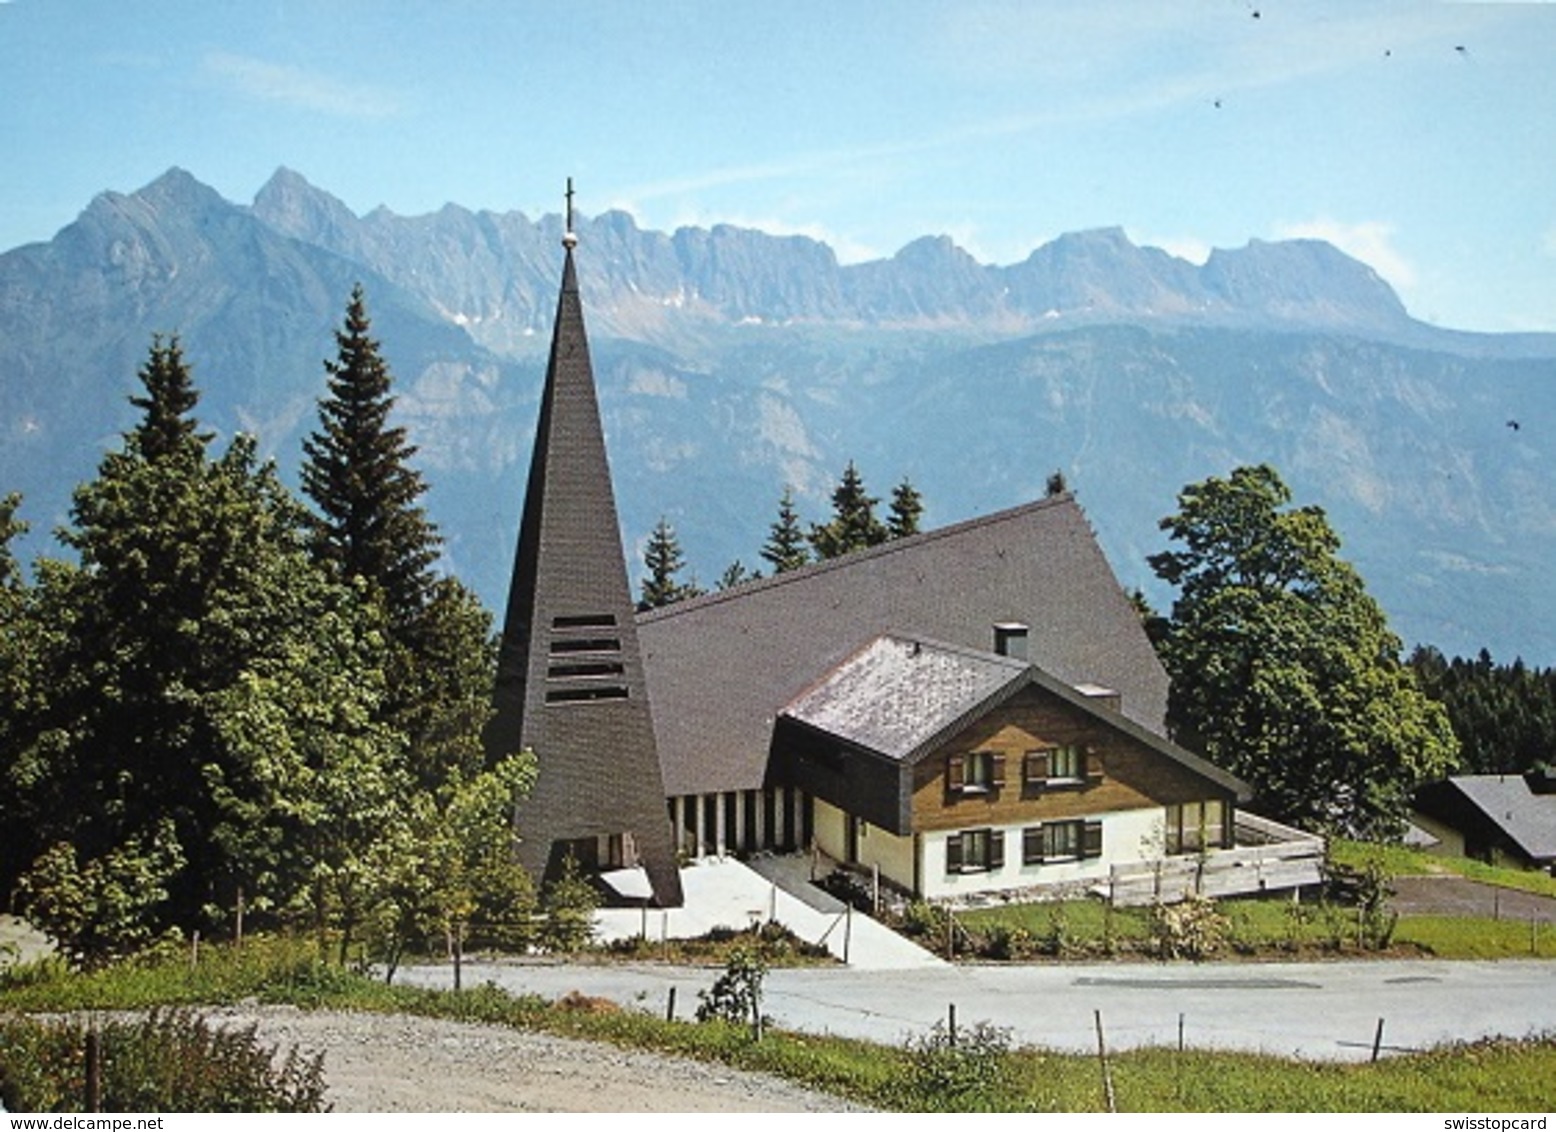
570	681
721	667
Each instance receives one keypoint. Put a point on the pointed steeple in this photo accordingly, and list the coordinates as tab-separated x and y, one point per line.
570	682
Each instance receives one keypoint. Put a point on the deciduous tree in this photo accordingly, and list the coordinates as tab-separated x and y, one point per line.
1283	668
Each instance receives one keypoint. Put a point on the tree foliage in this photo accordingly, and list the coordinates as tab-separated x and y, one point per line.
357	472
853	525
200	710
787	547
907	507
1504	715
1283	669
663	560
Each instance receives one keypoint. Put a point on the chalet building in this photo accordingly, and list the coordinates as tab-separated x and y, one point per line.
968	710
1503	819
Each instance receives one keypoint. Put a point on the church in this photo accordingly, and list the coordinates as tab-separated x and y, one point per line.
966	711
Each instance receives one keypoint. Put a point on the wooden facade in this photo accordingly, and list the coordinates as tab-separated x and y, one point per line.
1115	771
1007	779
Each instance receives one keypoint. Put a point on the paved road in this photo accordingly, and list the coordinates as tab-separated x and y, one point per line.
1313	1010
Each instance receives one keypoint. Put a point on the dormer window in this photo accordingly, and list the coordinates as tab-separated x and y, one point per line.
1067	764
977	772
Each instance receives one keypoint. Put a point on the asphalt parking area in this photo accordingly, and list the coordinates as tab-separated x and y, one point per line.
1455	896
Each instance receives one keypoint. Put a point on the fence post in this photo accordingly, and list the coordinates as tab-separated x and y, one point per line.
670	1007
94	1070
1102	1057
1377	1040
951	1023
1180	1031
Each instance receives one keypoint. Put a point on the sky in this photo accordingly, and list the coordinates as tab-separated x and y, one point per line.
1419	137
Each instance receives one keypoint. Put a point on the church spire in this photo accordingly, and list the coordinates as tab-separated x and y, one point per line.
570	683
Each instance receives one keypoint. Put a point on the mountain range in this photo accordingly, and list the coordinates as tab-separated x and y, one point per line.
732	363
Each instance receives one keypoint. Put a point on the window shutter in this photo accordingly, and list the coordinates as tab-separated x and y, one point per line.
953	853
996	849
1032	845
955	773
1035	769
1091	843
996	771
1091	764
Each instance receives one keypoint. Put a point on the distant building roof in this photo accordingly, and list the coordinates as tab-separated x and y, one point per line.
721	667
1526	818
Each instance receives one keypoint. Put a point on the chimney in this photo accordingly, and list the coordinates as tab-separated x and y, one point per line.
1107	697
1010	639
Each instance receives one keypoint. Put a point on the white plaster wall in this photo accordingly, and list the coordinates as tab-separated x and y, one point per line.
1128	837
829	826
893	854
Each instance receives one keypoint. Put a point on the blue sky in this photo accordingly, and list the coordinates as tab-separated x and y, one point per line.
1417	136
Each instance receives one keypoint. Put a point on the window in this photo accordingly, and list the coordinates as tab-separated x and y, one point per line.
1193	827
978	772
1061	841
1066	765
975	851
1066	762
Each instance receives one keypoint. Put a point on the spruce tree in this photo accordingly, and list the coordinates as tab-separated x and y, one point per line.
786	547
168	427
854	525
206	719
371	524
907	505
663	559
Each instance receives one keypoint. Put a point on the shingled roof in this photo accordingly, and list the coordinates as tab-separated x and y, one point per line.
901	697
897	694
720	668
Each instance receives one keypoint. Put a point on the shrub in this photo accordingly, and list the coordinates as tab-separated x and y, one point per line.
170	1061
569	904
959	1070
921	919
736	996
1190	929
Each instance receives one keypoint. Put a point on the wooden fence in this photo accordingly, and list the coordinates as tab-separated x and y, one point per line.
1268	857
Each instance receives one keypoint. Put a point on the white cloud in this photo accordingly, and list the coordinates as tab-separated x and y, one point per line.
278	82
1370	241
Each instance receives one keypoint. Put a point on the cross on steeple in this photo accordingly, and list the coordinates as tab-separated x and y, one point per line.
569	237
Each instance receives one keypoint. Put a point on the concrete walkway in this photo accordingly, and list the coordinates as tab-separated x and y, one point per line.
723	892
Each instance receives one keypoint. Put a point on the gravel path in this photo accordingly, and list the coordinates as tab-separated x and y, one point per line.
400	1063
